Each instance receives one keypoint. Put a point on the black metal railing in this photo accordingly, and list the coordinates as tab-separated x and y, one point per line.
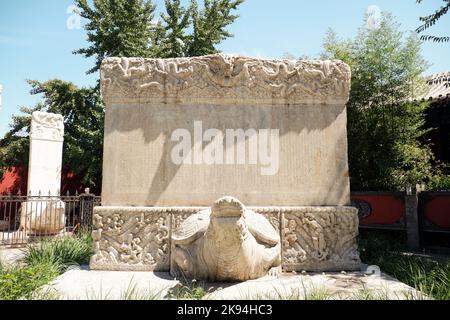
27	217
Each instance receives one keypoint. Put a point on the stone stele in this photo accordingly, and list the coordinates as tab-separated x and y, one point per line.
148	100
46	216
181	133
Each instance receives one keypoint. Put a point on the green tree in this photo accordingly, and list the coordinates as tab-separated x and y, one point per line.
193	31
176	21
126	28
15	144
385	126
209	25
117	28
83	114
430	20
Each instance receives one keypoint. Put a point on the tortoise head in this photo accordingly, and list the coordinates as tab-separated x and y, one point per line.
227	218
227	207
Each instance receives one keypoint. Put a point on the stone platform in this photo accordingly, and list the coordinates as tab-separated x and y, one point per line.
139	238
11	256
115	285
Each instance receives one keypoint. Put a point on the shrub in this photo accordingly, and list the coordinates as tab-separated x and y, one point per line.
20	283
386	130
388	252
70	250
186	290
43	263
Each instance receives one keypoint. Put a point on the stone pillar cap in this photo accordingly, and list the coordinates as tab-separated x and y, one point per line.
224	79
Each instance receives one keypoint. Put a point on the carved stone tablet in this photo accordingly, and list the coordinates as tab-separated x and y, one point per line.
187	131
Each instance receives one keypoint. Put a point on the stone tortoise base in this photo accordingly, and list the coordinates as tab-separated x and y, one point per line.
139	238
114	285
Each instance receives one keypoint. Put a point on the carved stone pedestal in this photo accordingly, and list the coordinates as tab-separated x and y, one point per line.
320	239
43	217
139	238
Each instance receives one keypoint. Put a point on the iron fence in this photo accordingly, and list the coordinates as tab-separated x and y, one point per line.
24	218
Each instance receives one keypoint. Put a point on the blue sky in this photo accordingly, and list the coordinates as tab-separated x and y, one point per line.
35	42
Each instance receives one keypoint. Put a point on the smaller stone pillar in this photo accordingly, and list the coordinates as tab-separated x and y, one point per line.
43	213
412	216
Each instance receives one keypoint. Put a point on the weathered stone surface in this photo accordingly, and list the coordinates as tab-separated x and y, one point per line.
43	217
131	239
181	133
313	238
303	102
228	79
47	126
320	286
320	239
44	175
272	214
100	285
46	142
179	215
225	243
12	256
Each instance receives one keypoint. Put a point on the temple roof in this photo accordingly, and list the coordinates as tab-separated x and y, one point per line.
439	87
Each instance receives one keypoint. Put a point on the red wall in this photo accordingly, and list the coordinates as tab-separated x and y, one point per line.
386	208
437	210
13	181
16	180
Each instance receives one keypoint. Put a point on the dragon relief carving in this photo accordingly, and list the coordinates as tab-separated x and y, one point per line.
224	79
312	238
131	240
48	126
320	236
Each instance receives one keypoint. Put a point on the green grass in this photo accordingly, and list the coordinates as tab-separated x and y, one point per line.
20	283
64	252
187	290
132	293
386	250
43	262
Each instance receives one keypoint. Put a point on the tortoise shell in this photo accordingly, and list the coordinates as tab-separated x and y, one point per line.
196	225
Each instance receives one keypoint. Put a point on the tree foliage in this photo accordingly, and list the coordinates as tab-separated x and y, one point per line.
15	144
115	28
430	20
127	28
209	25
82	110
385	125
176	21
